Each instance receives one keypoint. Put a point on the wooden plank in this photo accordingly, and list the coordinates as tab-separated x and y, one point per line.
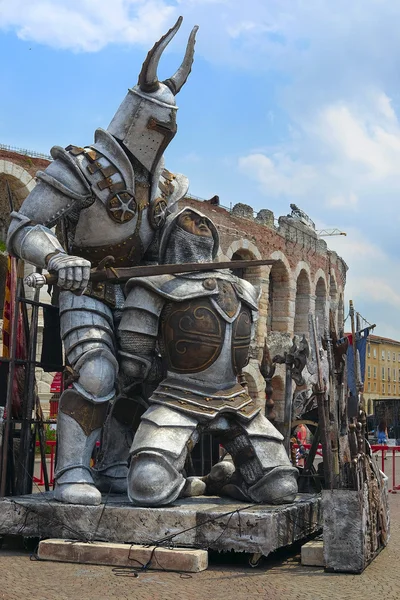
124	555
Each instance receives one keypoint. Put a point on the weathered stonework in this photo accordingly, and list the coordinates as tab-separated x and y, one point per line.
204	522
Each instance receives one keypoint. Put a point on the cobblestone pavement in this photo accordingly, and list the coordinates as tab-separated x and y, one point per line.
228	578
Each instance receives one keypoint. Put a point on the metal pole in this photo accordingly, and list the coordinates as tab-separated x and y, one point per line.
24	479
323	416
16	266
287	420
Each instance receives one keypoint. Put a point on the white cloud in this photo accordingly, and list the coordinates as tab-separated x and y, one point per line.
338	157
343	201
371	280
86	25
278	175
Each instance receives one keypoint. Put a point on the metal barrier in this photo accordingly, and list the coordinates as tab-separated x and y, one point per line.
40	480
375	449
384	450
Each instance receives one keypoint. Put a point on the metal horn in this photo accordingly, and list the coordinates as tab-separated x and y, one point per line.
148	80
176	82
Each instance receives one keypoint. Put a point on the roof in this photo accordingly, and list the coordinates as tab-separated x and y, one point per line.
378	339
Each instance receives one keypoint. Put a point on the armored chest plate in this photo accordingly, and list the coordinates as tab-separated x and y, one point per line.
193	333
241	338
227	298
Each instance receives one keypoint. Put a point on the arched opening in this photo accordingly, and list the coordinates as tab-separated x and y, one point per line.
278	298
14	182
320	305
302	305
251	385
250	274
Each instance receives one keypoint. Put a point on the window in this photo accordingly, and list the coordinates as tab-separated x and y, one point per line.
383	373
388	355
369	350
374	386
383	355
394	389
374	372
369	370
394	374
383	388
388	373
398	357
369	386
388	388
394	356
374	354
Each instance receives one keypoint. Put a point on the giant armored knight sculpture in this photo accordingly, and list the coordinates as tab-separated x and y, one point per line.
196	328
110	198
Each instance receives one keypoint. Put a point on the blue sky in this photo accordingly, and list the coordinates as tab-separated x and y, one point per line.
288	101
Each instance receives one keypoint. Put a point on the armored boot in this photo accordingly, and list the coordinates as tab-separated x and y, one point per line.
261	470
111	470
78	428
277	486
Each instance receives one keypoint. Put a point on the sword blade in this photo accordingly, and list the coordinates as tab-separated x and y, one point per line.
122	274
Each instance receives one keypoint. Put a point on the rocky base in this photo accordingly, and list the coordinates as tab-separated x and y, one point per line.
204	522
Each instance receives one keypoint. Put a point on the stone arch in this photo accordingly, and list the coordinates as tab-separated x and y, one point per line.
257	276
255	382
278	396
303	299
280	295
20	182
243	244
245	250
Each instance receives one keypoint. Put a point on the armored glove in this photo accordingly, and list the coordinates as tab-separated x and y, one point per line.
73	271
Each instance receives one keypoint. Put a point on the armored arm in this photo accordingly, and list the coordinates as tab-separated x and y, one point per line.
137	335
62	189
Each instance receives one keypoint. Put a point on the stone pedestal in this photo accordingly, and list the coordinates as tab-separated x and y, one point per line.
356	527
203	522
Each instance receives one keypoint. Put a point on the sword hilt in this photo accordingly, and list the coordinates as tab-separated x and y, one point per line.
37	280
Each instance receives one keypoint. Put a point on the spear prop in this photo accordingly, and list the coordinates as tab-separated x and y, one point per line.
323	418
106	272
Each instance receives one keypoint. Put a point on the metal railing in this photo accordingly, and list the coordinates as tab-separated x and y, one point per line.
25	152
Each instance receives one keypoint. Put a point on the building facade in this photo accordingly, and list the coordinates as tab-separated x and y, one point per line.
306	278
382	370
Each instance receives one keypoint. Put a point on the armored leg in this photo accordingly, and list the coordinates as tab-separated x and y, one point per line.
263	470
158	453
78	428
111	470
86	328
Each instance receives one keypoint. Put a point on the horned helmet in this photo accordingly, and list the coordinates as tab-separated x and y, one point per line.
145	122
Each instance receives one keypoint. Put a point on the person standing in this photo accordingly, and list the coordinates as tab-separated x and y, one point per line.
382	434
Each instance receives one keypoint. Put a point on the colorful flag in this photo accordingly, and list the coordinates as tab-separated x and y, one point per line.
21	351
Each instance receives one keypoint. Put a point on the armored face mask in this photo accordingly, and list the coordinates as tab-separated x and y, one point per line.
146	120
188	236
